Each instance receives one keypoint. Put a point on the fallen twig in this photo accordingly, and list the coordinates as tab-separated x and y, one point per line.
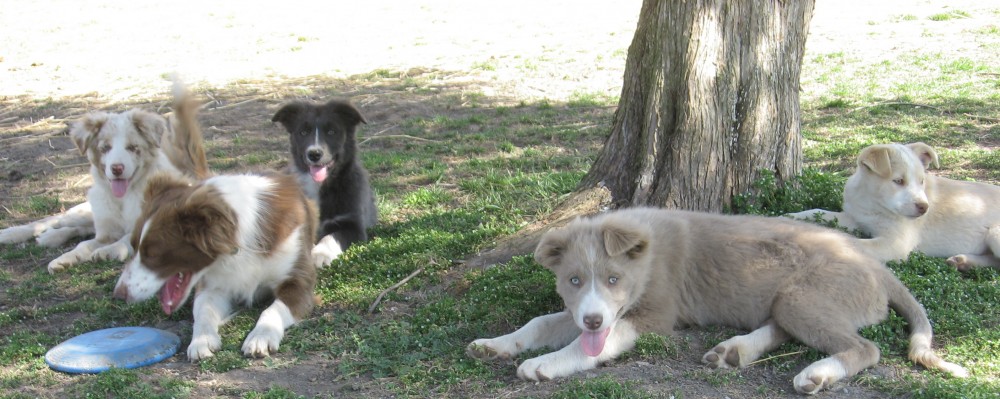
378	299
899	103
68	166
774	357
918	105
982	118
397	136
234	105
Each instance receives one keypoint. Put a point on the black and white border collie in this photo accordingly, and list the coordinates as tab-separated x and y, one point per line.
324	157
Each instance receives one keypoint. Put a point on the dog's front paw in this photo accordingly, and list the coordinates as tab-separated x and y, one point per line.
722	356
116	251
262	341
62	263
325	251
550	366
202	346
495	348
960	262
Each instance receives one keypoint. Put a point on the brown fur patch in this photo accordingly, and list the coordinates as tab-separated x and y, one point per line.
192	226
288	210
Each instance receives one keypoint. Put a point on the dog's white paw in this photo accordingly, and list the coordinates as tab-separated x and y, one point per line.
489	349
16	234
549	366
63	262
722	356
262	341
960	262
325	251
203	346
819	376
117	251
52	238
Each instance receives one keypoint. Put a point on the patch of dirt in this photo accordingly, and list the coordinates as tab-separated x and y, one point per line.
115	54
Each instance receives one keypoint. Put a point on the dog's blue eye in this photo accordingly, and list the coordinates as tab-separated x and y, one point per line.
899	181
574	280
612	280
303	133
330	133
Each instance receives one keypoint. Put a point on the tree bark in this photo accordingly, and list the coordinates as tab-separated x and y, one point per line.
710	98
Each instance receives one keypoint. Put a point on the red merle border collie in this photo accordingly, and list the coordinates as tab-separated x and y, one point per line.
324	158
124	150
229	239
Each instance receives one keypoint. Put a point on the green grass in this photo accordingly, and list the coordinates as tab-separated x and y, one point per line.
493	166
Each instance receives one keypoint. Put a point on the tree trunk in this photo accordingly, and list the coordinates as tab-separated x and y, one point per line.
710	98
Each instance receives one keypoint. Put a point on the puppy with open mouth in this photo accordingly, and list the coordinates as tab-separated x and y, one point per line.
324	158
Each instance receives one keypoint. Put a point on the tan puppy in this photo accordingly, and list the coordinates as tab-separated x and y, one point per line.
891	198
649	270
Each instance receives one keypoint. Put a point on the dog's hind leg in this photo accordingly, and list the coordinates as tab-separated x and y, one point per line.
554	330
55	237
832	331
966	262
741	350
25	232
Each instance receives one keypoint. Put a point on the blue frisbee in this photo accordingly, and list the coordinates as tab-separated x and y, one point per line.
119	347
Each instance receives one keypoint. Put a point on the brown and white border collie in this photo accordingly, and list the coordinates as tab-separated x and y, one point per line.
228	239
124	150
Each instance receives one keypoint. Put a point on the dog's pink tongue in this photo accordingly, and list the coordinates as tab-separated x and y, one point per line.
173	292
593	341
318	173
118	187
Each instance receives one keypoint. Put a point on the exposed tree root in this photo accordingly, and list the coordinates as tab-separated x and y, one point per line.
580	203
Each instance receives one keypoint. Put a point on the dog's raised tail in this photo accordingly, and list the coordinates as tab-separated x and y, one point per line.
903	302
186	148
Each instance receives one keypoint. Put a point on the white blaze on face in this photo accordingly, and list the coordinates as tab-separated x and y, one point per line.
119	155
594	303
318	172
140	282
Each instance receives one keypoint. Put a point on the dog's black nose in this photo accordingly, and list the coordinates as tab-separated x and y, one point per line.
117	169
593	321
314	155
921	207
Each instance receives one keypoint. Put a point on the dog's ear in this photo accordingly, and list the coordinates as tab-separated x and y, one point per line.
551	248
150	126
160	183
288	113
622	238
346	111
925	153
876	159
208	224
85	130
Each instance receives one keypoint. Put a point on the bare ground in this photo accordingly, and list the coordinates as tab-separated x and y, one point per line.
60	62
